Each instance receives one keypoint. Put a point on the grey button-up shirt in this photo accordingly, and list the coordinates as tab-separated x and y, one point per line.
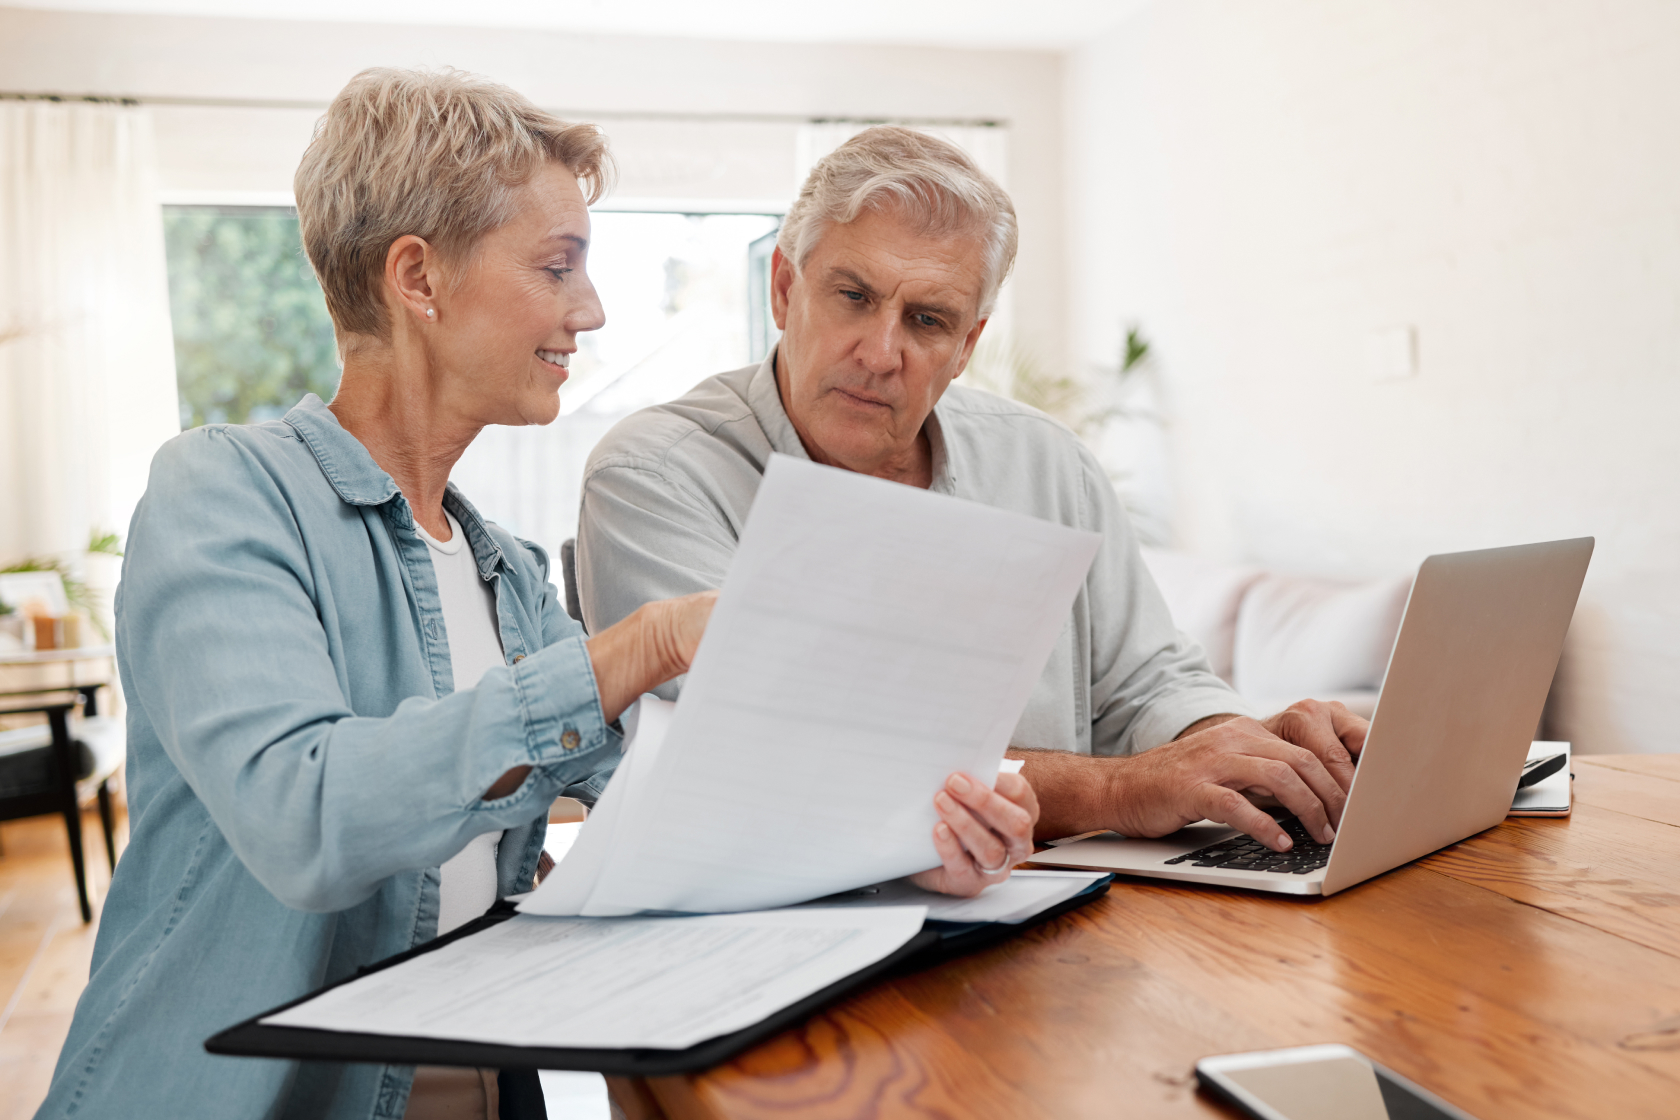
666	496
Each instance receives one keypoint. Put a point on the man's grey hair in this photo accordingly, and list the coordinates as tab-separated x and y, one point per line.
931	182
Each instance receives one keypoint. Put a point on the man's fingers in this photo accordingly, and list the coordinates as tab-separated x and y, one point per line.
1005	815
1020	791
957	874
1350	729
989	851
1311	725
1282	781
1314	795
1228	807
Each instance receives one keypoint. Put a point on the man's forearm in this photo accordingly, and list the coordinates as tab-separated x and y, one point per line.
1076	792
1203	725
1080	792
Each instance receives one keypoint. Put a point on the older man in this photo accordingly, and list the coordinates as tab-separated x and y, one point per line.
883	277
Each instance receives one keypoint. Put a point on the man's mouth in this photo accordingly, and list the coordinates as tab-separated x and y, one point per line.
859	398
555	358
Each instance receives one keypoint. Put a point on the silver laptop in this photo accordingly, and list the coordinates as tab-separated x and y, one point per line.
1460	702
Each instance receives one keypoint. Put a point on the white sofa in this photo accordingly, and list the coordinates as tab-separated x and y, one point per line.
1278	638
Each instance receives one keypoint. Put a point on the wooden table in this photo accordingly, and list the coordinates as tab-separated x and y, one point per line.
1533	970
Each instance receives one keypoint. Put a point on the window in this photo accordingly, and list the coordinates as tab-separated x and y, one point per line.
252	334
685	296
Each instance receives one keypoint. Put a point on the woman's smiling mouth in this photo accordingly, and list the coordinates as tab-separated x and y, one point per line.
555	358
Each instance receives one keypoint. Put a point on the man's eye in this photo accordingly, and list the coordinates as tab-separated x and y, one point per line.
926	321
855	297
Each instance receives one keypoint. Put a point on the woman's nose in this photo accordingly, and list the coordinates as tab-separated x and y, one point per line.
586	314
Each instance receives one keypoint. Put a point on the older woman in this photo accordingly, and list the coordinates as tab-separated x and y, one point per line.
352	698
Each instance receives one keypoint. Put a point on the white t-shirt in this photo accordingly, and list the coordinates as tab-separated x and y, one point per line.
468	888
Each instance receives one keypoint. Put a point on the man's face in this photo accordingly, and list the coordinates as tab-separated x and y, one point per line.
875	326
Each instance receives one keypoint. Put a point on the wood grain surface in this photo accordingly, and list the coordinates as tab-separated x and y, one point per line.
1533	970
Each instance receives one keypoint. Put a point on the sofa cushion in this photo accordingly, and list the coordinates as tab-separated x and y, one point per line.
1202	596
1300	638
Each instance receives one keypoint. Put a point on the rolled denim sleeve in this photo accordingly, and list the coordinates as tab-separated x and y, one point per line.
232	653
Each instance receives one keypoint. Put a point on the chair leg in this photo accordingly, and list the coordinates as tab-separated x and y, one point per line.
64	752
105	819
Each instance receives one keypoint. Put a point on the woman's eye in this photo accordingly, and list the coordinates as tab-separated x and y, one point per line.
558	273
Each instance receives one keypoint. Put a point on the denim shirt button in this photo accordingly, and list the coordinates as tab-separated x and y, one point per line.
431	629
518	657
570	739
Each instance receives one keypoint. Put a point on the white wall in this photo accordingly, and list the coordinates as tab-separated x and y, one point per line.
1263	185
697	119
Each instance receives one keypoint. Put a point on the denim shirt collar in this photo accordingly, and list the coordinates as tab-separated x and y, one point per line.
360	481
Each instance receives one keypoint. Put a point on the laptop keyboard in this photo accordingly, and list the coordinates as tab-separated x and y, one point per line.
1244	853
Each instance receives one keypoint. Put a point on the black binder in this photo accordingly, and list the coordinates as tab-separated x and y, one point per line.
935	943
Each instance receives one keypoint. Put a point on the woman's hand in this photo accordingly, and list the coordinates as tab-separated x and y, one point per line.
644	651
981	833
647	649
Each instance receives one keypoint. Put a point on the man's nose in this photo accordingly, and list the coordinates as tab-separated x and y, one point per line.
881	348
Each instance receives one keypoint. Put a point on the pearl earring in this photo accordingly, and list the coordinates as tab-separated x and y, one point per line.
430	313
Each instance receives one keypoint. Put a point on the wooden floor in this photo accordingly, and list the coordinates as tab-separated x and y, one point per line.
44	949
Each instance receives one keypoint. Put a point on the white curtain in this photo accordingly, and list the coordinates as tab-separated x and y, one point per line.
87	364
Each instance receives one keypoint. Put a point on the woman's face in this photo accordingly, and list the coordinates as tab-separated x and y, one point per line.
507	325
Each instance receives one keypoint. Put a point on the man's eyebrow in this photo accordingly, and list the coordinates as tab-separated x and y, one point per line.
853	279
932	309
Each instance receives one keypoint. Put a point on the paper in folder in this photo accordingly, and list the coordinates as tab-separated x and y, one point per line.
870	639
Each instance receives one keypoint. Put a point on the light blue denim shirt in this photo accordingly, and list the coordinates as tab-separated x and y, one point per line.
299	762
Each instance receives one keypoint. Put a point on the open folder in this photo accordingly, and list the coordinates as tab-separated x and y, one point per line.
870	639
643	996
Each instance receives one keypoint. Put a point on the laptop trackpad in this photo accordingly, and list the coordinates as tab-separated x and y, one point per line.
1110	850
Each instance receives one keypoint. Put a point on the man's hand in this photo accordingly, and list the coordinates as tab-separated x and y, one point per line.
1328	730
981	833
1301	758
1218	773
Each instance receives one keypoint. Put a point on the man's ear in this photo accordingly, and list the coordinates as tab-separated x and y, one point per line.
782	276
969	344
410	278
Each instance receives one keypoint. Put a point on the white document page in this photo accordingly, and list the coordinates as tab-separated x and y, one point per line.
1012	901
591	983
871	639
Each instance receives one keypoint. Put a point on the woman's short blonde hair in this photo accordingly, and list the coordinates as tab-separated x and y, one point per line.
932	182
437	154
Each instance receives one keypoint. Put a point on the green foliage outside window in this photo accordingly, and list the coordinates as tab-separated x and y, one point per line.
252	334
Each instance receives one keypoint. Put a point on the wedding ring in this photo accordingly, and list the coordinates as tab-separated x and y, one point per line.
1004	866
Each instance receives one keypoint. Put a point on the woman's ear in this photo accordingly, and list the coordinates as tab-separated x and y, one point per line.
410	278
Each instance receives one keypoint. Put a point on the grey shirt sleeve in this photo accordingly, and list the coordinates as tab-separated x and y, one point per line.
1149	681
642	536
